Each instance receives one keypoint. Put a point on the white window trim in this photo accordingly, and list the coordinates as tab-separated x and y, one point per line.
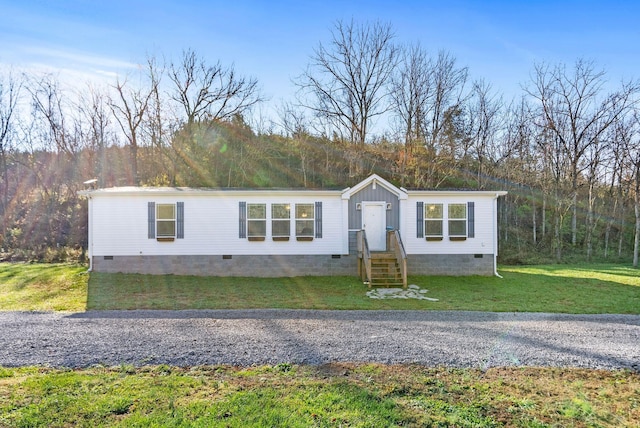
281	237
427	219
163	220
311	219
250	219
464	220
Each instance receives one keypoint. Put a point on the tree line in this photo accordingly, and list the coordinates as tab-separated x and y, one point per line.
567	148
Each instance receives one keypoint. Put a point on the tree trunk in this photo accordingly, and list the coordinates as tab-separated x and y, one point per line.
533	219
590	223
607	232
621	234
574	217
558	236
544	216
636	243
134	163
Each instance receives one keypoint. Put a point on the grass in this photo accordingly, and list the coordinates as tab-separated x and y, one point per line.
569	289
43	287
332	395
602	288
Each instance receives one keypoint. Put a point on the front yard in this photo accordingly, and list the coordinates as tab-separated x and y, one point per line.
603	288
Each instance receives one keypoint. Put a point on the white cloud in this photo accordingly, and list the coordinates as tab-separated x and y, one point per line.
73	68
90	60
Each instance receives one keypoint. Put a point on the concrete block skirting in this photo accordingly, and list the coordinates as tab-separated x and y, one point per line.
218	265
289	265
450	264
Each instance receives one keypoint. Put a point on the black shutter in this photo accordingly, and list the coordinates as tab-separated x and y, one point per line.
242	226
180	220
420	219
151	220
318	219
471	218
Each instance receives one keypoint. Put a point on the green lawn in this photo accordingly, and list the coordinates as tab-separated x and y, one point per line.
602	288
43	287
287	395
570	289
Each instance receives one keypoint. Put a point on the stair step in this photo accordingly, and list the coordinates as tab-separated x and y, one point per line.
385	270
386	284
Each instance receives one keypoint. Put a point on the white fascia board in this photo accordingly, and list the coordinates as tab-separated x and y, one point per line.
183	191
401	193
482	193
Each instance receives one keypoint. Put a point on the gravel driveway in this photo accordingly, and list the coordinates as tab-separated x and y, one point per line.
246	337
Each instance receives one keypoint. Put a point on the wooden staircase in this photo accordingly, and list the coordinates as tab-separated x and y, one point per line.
385	270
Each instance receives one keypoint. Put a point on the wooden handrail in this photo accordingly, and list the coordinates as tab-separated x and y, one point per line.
395	242
364	255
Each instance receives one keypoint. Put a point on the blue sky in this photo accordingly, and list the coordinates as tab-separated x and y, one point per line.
272	40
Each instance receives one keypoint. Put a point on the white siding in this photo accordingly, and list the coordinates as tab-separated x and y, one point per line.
119	223
482	243
211	226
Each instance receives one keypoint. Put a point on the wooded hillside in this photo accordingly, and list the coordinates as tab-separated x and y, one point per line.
567	148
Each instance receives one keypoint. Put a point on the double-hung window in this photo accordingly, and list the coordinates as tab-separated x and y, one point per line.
457	221
165	221
257	222
433	214
280	221
305	221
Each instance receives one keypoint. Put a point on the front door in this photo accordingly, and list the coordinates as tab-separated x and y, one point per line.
374	221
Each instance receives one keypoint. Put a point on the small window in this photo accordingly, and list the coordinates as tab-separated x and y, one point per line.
433	221
166	220
256	222
458	220
305	221
280	221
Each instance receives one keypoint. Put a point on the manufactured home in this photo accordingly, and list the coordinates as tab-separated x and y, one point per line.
366	229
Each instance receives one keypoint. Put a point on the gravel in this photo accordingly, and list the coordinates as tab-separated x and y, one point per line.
256	337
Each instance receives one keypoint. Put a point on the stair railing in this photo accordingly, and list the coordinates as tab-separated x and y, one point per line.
397	247
364	255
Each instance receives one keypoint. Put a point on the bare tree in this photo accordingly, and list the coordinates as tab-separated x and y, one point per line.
347	80
629	135
448	94
616	194
53	107
210	92
410	92
160	121
485	115
411	89
295	125
573	109
596	160
129	108
427	98
517	158
554	166
10	88
96	121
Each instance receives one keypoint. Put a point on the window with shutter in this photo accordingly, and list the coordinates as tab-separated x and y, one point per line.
433	224
457	221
